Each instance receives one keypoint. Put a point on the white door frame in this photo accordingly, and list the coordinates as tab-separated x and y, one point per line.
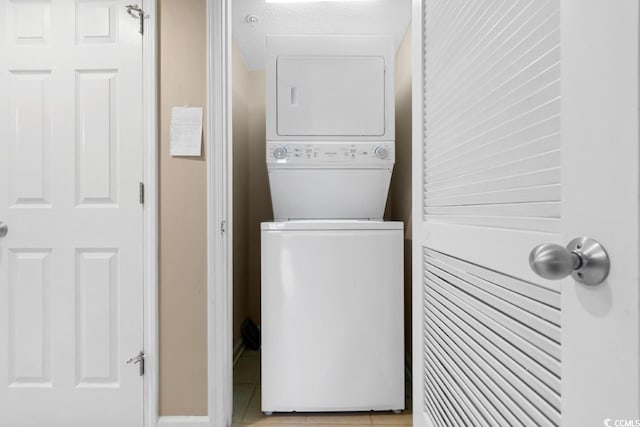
150	211
417	110
219	214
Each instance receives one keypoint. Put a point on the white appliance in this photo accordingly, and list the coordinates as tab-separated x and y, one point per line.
330	88
330	125
329	180
332	316
332	286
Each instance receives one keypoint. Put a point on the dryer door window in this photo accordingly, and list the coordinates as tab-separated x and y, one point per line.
331	96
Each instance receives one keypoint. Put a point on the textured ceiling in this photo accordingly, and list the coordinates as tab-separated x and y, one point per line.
375	17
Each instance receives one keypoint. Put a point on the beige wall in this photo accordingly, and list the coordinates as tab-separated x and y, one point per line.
401	179
259	194
182	229
252	200
242	101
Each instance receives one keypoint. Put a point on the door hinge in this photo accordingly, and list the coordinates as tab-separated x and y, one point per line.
141	193
139	359
223	227
136	12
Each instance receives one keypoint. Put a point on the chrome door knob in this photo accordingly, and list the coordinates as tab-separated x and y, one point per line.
552	261
4	229
584	258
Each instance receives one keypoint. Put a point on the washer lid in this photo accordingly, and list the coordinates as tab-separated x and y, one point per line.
329	224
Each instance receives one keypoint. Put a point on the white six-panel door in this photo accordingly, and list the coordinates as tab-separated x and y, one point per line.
71	300
526	132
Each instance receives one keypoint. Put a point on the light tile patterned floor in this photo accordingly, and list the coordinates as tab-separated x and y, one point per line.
246	405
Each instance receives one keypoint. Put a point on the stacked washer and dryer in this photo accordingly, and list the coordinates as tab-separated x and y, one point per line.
332	269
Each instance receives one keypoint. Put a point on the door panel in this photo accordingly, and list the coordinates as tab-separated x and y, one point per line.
490	177
514	146
71	263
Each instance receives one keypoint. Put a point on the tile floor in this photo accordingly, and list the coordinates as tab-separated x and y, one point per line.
246	405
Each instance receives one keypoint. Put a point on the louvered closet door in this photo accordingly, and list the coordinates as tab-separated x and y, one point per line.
525	132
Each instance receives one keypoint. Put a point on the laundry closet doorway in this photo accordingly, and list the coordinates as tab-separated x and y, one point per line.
251	203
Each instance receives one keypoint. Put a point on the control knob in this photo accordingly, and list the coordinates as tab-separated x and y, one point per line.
382	152
279	152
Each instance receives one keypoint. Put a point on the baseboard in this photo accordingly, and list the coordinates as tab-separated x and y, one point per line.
183	422
238	349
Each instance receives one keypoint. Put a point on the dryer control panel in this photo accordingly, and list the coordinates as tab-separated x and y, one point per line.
322	155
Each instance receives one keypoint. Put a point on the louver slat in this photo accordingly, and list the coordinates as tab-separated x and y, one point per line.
449	356
519	364
549	296
540	364
538	316
466	398
507	367
452	406
537	339
456	387
444	416
491	167
517	157
515	210
478	393
481	185
518	406
492	105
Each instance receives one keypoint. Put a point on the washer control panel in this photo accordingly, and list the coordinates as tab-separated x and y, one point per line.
348	154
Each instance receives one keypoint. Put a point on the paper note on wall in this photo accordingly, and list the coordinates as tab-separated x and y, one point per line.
186	131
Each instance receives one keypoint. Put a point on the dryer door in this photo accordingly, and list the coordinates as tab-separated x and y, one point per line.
331	96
